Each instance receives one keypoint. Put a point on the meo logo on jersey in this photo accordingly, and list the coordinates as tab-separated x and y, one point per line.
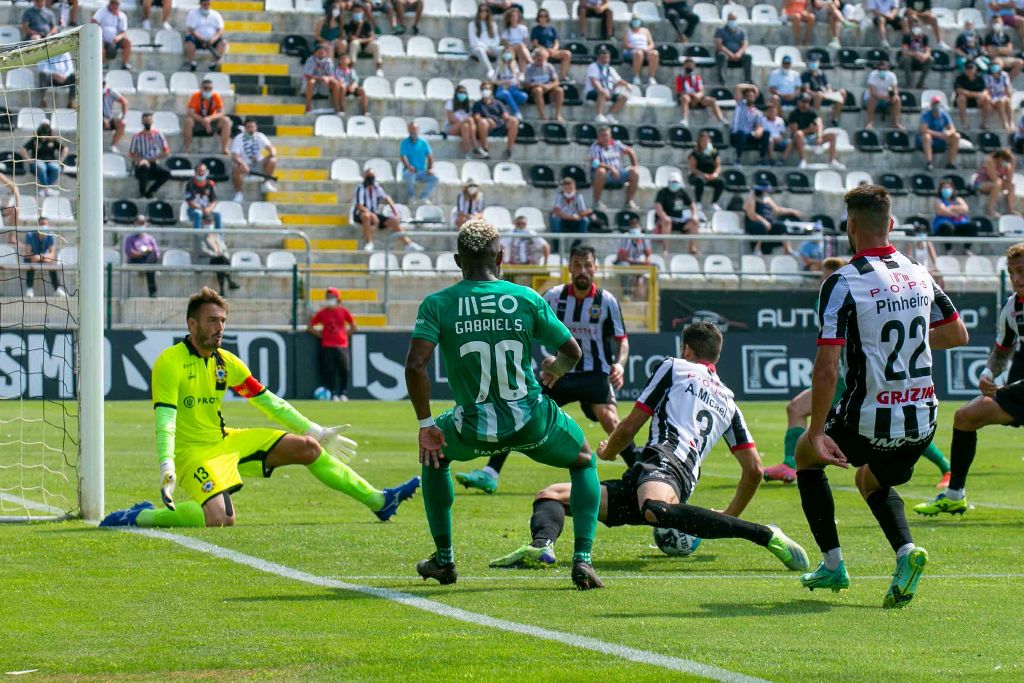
487	304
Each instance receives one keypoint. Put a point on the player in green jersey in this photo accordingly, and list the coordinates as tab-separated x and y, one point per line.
189	382
485	327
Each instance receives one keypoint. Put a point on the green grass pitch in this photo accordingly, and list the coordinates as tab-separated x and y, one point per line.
83	604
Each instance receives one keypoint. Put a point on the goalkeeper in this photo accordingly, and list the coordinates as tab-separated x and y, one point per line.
189	381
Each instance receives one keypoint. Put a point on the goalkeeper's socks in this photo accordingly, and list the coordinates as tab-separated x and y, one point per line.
438	496
340	477
547	522
933	455
187	513
704	523
584	500
793	435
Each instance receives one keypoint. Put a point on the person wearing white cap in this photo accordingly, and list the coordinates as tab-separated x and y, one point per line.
676	211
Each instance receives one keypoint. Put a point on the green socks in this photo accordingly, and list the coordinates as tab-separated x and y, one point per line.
933	455
438	497
584	501
187	513
337	475
789	448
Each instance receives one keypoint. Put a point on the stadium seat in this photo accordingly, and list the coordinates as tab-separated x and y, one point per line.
124	212
264	215
893	183
245	260
850	59
684	266
622	219
660	95
726	223
428	126
922	185
280	260
898	141
649	136
393	127
719	268
988	141
941	61
584	134
463	9
554	133
68	256
231	214
508	173
661	175
446	264
180	167
752	264
417	263
380	262
1011	225
828	182
111	256
855	178
421	47
928	94
390	46
499	217
169	42
534	217
556	9
346	171
909	102
183	83
429	214
741	12
451	48
761	57
28	208
58	211
970	14
119	81
578	174
114	166
715	134
295	45
979	266
361	127
644	179
381	169
765	15
867	141
947	265
479	171
542	177
161	213
668	54
22	78
962	188
9	35
735	181
680	137
217	169
329	126
440	89
29	118
176	257
823	57
166	122
377	88
764	178
409	88
708	13
447	173
983	225
472	86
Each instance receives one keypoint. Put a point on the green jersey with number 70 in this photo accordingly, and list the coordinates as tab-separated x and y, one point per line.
485	330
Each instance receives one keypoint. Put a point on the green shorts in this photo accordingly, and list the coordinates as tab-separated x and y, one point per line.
205	471
550	437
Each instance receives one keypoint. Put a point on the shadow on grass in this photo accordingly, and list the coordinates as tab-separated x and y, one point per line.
803	606
417	590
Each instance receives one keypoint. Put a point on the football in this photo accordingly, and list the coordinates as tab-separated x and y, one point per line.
322	394
675	543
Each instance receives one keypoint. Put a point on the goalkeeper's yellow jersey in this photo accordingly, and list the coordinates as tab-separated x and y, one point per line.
194	387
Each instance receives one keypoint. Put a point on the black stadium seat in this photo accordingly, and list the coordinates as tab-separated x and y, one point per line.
218	171
798	183
572	95
542	177
941	61
920	223
923	185
123	212
717	139
827	224
613	51
867	141
579	51
823	57
898	141
680	137
669	54
988	141
295	45
876	54
527	135
649	136
554	133
909	102
765	178
12	164
850	59
893	183
621	133
962	188
161	213
578	174
735	181
699	54
584	134
983	225
178	164
622	219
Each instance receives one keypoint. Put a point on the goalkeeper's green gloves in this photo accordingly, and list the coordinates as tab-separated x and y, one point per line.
168	479
331	440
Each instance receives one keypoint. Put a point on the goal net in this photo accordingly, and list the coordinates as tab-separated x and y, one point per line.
51	298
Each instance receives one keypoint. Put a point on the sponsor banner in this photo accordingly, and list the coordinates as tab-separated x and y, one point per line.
757	366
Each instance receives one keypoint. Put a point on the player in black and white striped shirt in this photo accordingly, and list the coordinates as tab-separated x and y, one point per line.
595	320
998	405
689	410
888	312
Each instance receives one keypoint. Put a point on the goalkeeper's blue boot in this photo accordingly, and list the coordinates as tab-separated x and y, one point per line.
905	579
477	479
823	577
126	517
393	497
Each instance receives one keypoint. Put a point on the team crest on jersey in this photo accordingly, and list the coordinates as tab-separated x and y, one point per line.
595	311
208	486
222	374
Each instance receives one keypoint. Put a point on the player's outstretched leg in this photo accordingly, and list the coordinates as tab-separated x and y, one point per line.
187	513
337	475
438	497
546	526
485	478
933	455
953	500
585	502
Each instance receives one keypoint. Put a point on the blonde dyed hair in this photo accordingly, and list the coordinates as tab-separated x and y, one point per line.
476	235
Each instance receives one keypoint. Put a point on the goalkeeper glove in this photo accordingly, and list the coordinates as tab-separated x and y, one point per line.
330	438
168	479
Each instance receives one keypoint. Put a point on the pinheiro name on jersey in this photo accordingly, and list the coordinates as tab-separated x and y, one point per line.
902	304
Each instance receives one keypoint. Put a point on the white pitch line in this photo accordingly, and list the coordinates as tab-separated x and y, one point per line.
30	504
583	642
678	577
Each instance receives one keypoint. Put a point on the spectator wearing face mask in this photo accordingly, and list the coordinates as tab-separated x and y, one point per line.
602	84
367	211
747	125
968	45
522	247
638	47
1005	11
784	83
462	125
814	82
997	84
569	213
999	45
541	80
214	246
691	94
882	94
674	211
936	133
206	117
318	77
417	165
706	171
915	54
204	29
40	249
969	89
493	120
201	199
634	250
508	80
348	84
952	215
761	217
884	14
140	247
45	152
994	179
328	30
731	49
333	325
469	204
361	37
147	148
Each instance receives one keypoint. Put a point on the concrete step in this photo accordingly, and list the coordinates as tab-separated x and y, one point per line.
321	245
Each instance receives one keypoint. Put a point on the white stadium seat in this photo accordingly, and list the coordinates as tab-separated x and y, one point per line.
452	48
151	83
183	83
856	178
478	171
556	9
417	263
361	127
120	81
726	222
231	214
447	173
828	182
440	89
509	173
381	169
169	41
499	217
68	256
764	15
114	166
422	47
246	259
446	264
394	127
21	79
662	174
329	126
409	88
379	262
280	260
377	88
390	46
534	217
346	171
264	215
176	257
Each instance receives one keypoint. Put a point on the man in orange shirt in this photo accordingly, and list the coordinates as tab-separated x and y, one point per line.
332	325
206	115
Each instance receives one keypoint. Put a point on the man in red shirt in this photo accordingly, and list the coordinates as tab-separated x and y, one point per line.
332	325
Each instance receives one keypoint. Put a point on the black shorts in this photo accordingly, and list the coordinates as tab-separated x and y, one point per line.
656	463
585	387
891	466
112	48
1011	399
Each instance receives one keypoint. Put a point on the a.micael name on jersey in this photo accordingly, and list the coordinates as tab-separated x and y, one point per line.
705	396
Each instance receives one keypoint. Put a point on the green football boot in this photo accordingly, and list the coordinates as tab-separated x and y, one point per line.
942	504
526	557
477	479
788	551
905	579
823	577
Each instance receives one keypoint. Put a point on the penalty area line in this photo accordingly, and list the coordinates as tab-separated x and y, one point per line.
571	639
680	577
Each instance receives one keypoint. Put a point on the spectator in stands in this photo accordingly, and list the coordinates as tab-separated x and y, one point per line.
38	21
499	7
602	9
546	36
469	203
484	38
318	76
165	14
915	54
58	71
637	47
731	49
674	211
113	25
1018	133
634	250
832	12
110	120
522	247
569	213
45	152
140	247
761	216
348	84
515	36
361	38
328	29
417	165
968	45
952	215
367	212
884	14
332	325
814	82
206	117
541	81
997	84
811	255
494	121
806	128
251	151
778	134
507	81
937	133
994	178
882	93
674	11
607	170
691	94
1006	10
201	200
800	17
706	171
461	123
747	124
40	248
969	91
398	19
9	212
921	12
204	29
784	83
999	45
603	83
216	249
